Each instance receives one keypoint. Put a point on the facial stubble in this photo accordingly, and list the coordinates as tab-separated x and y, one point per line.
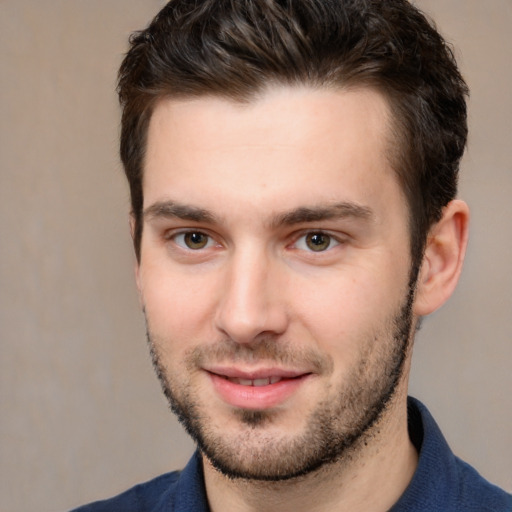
334	427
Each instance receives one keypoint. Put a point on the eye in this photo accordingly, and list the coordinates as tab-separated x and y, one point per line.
316	241
193	240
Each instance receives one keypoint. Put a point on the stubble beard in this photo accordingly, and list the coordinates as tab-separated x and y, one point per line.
335	427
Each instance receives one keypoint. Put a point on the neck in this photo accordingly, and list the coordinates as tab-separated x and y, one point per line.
371	477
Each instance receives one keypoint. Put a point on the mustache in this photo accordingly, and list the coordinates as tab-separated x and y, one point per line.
265	349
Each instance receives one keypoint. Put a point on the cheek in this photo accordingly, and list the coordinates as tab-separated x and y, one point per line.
177	306
344	312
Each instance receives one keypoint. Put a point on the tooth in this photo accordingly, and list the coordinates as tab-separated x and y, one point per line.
261	382
255	382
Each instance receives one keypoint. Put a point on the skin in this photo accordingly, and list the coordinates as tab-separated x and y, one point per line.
261	185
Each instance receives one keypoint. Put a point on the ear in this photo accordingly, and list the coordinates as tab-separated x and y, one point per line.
136	264
443	258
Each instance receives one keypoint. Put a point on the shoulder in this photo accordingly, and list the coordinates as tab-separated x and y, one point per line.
142	497
476	493
178	491
442	482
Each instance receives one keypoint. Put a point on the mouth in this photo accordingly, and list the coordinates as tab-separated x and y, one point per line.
255	382
256	390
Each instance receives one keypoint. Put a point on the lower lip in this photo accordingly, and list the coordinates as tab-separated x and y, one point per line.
256	397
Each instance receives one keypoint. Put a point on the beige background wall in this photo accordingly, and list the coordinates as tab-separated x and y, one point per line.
81	413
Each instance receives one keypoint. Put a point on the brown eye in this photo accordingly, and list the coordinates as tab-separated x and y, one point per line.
193	240
318	241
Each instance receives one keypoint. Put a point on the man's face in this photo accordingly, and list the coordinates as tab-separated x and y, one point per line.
274	273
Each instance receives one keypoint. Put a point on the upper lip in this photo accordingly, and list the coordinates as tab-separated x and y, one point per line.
255	373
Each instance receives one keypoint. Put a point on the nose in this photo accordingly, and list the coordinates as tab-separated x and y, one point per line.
252	299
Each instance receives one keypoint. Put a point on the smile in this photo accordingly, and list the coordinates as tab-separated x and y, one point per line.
261	390
255	382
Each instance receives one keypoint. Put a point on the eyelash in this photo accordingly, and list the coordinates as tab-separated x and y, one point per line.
332	241
300	242
183	245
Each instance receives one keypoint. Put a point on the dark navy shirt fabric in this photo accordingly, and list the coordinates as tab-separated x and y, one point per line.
441	483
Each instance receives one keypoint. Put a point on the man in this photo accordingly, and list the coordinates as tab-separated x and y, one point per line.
293	168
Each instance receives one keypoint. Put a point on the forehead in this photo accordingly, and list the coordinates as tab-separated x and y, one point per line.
287	145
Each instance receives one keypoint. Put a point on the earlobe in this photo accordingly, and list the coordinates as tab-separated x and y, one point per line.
443	258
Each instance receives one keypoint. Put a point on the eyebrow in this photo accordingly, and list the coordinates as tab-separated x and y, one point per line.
301	215
172	209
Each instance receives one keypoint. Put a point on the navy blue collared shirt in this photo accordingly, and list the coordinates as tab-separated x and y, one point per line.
441	483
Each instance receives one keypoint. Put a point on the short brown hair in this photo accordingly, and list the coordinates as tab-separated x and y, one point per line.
236	48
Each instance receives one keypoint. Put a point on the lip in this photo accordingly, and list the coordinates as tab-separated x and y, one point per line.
257	389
